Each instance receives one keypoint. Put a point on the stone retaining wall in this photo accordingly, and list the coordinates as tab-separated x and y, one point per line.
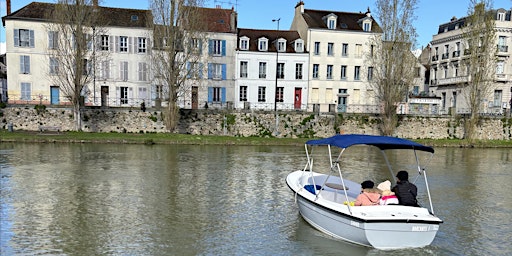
246	123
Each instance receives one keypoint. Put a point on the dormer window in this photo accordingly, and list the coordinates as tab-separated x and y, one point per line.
244	43
367	26
330	21
366	23
299	45
281	45
501	15
263	44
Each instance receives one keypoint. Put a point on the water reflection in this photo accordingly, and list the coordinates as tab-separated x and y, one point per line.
212	200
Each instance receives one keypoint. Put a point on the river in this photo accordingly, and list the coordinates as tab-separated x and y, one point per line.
104	199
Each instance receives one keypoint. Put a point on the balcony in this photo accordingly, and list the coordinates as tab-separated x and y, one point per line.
445	56
501	77
456	54
435	58
453	80
502	48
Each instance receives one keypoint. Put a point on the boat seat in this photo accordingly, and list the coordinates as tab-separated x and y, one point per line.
311	188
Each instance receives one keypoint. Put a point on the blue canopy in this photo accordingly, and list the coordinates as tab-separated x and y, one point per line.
382	142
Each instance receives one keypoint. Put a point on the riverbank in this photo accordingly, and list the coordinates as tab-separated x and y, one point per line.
170	138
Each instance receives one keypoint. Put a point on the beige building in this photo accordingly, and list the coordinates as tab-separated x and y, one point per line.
448	73
338	43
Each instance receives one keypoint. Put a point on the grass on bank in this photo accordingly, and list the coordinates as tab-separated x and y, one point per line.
171	138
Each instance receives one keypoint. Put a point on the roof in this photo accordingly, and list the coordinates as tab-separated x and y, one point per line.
271	35
219	20
117	17
382	142
345	20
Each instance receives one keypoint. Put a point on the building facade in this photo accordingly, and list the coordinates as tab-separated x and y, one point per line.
337	43
272	70
448	71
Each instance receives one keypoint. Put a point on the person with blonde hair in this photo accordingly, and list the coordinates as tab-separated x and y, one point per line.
388	196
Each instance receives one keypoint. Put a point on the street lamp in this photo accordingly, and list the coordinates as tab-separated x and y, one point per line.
277	71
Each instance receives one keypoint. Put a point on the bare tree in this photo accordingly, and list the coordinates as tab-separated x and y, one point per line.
391	58
179	37
72	31
480	39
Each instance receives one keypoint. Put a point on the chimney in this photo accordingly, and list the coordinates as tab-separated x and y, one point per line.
301	5
8	3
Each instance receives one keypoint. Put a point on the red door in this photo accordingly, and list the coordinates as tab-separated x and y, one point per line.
298	98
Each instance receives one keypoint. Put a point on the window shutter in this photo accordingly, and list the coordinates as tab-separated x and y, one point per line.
148	45
223	71
31	36
200	46
210	47
153	92
130	44
223	47
130	95
200	71
210	94
223	94
188	70
16	37
111	43
22	64
210	71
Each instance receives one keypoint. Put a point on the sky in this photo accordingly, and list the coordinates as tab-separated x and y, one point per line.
258	14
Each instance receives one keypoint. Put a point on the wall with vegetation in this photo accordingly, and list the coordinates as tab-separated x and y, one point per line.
246	123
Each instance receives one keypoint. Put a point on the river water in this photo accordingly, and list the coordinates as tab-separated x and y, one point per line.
104	199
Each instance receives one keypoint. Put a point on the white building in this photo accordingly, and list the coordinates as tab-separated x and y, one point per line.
337	43
123	80
272	70
448	72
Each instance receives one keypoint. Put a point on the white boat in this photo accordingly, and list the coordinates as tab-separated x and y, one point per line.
322	197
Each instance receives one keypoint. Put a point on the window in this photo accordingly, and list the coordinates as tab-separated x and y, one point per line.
357	71
216	71
86	67
501	16
104	43
331	24
329	71
370	73
24	64
53	39
344	50
25	91
123	44
263	70
123	95
261	94
263	44
54	66
417	71
445	71
367	26
499	67
280	94
299	46
123	72
317	48
217	47
298	71
143	71
243	93
315	71
23	38
196	45
502	44
217	94
343	72
281	46
497	97
330	49
244	44
359	50
243	69
372	49
280	70
141	46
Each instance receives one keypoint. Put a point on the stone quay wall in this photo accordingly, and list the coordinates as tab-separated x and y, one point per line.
247	123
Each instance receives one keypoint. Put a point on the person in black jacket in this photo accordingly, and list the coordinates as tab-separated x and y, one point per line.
404	190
